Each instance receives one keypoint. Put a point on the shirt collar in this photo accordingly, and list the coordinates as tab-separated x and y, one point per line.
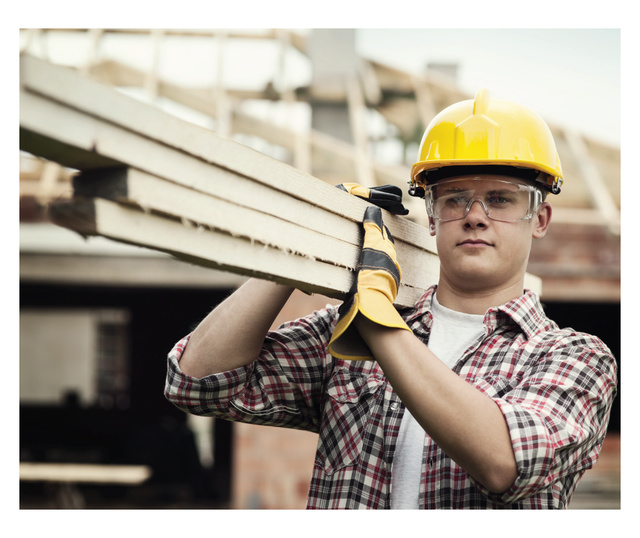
525	311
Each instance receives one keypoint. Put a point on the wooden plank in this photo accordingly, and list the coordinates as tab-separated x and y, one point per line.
357	120
295	236
139	272
202	100
205	209
209	248
117	117
600	195
424	100
50	123
83	472
73	129
98	126
63	86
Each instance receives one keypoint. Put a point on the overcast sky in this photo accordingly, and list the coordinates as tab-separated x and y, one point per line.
570	76
568	68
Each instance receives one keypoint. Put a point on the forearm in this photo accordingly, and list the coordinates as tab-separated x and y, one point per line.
232	334
464	422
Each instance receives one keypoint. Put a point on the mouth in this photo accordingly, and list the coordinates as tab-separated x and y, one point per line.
474	243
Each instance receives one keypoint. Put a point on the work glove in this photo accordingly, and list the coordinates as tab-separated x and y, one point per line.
387	197
374	290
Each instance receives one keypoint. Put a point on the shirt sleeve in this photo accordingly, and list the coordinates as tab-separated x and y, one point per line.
282	387
558	415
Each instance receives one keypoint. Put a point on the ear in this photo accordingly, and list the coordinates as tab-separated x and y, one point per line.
542	219
432	227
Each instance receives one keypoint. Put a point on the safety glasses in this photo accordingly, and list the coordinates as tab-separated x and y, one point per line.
502	200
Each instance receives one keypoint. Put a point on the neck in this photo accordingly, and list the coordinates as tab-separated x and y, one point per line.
476	301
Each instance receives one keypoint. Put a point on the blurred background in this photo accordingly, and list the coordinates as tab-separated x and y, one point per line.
97	318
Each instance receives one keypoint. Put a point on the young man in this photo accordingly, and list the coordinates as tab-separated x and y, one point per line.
470	399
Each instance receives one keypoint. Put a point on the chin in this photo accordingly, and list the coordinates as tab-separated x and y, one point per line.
470	275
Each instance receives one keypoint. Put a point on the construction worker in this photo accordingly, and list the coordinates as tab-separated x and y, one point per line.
473	398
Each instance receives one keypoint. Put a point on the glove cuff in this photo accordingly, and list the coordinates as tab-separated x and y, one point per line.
376	307
346	342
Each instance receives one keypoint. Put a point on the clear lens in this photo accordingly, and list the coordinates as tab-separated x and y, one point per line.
504	201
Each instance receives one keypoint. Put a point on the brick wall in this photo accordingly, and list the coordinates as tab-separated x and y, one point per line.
272	467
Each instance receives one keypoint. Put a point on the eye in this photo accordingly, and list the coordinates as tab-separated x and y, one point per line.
456	198
499	199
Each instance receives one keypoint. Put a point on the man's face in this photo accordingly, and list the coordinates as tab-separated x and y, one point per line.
477	252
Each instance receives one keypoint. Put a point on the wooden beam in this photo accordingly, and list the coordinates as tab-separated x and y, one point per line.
101	127
424	100
200	246
357	120
599	193
301	144
139	272
244	219
179	188
85	473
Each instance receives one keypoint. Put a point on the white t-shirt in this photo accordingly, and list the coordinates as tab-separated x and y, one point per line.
452	333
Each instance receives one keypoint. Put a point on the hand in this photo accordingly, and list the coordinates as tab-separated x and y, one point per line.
374	291
387	197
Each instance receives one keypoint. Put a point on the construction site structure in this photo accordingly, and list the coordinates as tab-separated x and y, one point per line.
328	113
333	141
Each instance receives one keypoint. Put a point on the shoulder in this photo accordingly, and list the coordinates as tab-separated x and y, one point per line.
563	348
569	342
566	357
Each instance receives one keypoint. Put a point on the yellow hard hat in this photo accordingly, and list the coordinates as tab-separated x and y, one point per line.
486	132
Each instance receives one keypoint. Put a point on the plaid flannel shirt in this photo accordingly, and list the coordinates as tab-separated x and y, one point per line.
554	387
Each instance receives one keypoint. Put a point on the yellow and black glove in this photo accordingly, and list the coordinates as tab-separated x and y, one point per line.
374	290
387	197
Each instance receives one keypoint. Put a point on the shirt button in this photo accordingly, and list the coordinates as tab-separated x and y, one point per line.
394	406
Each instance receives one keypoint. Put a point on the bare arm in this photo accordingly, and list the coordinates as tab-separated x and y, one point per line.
232	334
464	422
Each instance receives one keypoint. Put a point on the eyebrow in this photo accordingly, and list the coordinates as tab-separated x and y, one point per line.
503	191
455	189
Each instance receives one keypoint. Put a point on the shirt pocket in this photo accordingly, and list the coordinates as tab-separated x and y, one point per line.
351	400
262	403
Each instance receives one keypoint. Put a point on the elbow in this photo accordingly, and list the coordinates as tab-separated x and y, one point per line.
500	476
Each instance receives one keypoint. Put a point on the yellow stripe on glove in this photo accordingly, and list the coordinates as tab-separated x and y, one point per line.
375	289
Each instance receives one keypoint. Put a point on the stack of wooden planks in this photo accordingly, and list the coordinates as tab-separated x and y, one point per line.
150	179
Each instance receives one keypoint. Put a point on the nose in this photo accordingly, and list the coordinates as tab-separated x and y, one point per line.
476	214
